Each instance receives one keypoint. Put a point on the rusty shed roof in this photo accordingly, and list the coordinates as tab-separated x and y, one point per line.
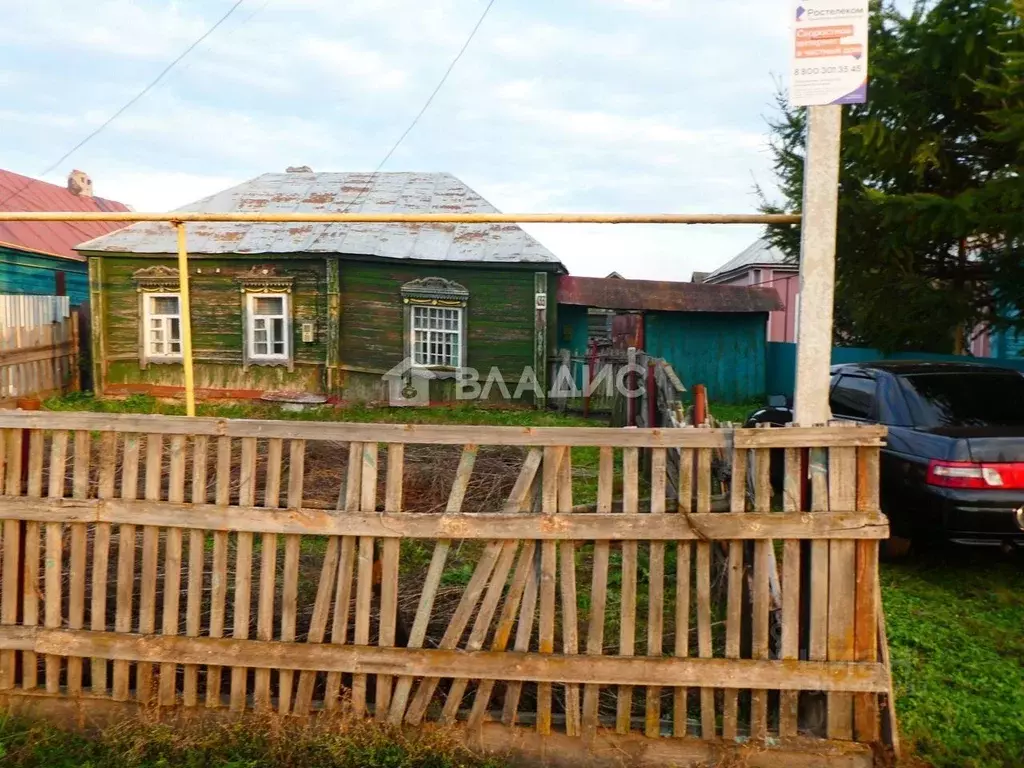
308	192
56	238
605	293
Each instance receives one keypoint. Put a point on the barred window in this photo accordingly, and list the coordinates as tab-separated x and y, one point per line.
436	336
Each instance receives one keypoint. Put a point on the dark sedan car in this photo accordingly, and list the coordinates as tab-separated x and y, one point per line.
953	465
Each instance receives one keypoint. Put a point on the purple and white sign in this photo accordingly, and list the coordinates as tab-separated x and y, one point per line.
829	53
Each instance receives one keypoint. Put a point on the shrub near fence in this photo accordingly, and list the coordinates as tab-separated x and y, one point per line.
175	563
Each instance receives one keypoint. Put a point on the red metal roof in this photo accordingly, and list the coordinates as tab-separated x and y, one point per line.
612	293
57	238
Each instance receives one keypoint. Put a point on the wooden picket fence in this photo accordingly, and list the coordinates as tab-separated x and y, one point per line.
142	566
38	347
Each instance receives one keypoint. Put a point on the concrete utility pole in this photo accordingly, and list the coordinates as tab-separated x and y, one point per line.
817	265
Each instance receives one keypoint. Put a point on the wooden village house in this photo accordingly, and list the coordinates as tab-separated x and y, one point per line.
326	308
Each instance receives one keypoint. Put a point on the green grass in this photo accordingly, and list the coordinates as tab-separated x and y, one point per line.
462	413
956	636
246	743
736	414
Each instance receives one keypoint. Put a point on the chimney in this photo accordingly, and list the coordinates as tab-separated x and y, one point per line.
79	184
298	169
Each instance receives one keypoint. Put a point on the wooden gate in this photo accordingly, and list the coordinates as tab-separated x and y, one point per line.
555	604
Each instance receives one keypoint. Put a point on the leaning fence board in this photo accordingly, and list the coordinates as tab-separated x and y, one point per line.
172	568
548	557
367	455
598	591
54	569
389	573
734	579
290	578
268	571
790	640
763	564
684	507
31	593
11	556
524	569
403	686
196	564
627	617
243	570
704	649
318	623
842	490
567	586
656	593
866	617
78	575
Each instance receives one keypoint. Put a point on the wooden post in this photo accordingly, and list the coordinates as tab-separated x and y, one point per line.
652	397
591	365
333	325
76	354
540	337
99	356
186	322
630	399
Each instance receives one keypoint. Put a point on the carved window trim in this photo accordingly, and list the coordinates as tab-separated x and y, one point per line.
434	292
264	280
160	280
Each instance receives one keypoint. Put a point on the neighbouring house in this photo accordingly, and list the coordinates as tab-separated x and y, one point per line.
38	257
762	264
325	308
711	334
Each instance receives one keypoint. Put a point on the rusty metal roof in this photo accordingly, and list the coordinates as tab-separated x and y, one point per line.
56	238
336	193
612	293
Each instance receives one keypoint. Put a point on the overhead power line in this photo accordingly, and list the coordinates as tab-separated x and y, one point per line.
424	108
128	104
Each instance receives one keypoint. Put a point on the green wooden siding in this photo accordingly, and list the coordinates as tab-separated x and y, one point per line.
724	351
216	323
499	325
364	296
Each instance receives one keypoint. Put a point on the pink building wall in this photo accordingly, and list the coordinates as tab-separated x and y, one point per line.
782	324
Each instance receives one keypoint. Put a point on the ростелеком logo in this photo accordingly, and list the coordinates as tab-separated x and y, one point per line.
800	11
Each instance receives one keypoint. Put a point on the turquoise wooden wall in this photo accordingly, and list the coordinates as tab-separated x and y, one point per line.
782	362
22	272
573	330
724	351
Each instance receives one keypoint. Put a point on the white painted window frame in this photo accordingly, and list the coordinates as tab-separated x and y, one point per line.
459	333
250	327
148	315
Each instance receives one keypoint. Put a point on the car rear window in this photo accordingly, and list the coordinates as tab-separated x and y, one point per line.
966	399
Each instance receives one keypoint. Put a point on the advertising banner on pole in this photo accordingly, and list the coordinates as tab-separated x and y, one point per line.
829	53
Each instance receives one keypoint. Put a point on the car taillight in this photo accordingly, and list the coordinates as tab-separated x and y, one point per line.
966	474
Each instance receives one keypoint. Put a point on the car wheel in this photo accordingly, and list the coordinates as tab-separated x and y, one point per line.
894	548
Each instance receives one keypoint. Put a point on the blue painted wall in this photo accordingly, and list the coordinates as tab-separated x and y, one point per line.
22	272
782	362
724	351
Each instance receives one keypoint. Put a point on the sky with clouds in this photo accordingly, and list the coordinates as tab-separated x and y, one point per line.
573	105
